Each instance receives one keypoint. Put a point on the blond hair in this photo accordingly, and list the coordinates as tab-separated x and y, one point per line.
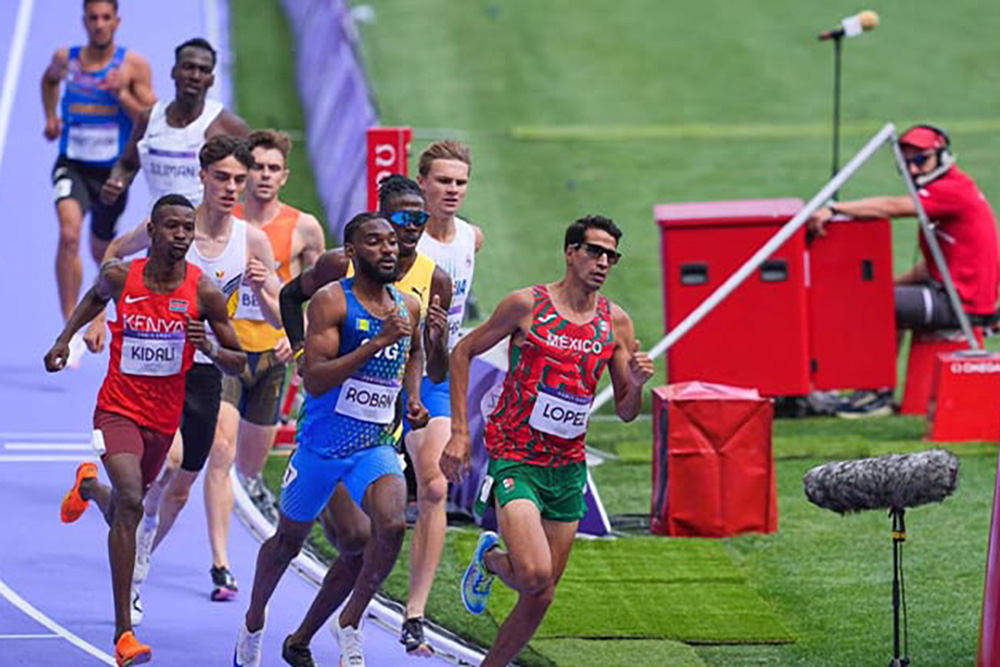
449	149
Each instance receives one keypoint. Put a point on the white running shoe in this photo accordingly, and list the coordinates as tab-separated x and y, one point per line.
351	653
136	609
248	647
144	549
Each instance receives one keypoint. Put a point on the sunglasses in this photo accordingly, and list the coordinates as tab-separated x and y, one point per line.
595	251
920	159
409	218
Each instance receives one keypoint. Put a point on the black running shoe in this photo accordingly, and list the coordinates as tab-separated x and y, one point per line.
224	584
296	655
412	637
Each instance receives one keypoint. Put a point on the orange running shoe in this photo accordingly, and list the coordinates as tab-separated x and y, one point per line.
128	651
73	504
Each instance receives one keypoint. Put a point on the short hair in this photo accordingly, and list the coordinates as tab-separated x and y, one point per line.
113	3
449	149
222	146
577	230
196	43
355	223
271	139
170	200
396	185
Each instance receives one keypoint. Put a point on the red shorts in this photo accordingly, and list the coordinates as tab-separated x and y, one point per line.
124	436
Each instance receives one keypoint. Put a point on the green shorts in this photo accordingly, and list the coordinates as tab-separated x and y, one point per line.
256	393
556	491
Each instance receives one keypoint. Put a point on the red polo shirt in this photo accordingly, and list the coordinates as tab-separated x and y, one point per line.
966	230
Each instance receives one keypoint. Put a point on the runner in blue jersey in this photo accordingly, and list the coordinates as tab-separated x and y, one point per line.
107	86
359	352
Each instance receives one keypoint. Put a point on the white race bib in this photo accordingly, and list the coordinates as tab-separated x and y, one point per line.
247	305
154	354
92	143
560	413
368	399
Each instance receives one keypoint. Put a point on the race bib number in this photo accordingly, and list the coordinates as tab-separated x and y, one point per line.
248	306
560	413
368	399
92	143
152	354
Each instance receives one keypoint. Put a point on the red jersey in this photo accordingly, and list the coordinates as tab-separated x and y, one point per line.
542	414
966	230
150	354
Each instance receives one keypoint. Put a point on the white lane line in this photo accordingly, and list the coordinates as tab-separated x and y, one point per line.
30	637
213	32
32	612
15	57
48	446
64	436
44	458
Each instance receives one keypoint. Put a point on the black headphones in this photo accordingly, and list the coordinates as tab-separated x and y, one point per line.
936	130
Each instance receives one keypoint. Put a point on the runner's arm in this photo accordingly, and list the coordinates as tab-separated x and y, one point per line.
416	413
436	327
228	123
630	368
227	353
331	265
137	94
313	239
480	236
324	369
127	166
51	78
505	321
263	280
129	243
109	284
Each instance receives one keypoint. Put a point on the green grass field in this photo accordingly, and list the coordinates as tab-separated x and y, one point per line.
584	106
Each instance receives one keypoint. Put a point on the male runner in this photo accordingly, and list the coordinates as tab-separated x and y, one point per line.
359	351
562	336
346	526
161	301
106	87
225	248
443	173
250	402
166	139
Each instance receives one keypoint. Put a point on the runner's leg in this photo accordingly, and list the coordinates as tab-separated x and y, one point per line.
69	267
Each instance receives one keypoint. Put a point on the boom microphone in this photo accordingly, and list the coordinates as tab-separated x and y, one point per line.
852	26
894	481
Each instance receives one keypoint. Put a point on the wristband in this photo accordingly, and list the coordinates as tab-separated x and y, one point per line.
298	353
834	210
213	349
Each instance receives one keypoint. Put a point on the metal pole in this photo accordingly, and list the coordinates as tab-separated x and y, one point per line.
783	234
928	231
838	51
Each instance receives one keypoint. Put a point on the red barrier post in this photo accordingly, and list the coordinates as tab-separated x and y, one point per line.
388	153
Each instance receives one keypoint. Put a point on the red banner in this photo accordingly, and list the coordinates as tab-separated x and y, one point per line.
388	153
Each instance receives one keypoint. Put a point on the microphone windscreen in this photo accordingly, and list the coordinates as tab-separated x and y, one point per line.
868	18
894	481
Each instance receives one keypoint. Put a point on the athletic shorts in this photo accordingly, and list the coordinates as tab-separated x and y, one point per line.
82	182
123	436
924	307
256	393
202	396
435	397
556	491
310	478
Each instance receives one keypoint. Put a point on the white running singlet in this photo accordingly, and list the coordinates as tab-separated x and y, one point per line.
457	258
225	270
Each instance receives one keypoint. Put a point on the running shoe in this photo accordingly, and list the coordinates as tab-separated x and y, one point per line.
135	609
864	404
351	653
224	584
128	651
144	547
297	655
247	652
478	581
412	637
77	348
73	504
261	496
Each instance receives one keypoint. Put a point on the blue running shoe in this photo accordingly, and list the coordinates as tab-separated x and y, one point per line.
477	582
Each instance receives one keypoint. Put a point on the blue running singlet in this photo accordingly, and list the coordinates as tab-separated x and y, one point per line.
95	126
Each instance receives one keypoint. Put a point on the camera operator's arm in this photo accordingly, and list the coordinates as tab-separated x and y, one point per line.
869	207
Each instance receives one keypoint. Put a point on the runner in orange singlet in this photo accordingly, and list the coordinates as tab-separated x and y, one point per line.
161	302
562	337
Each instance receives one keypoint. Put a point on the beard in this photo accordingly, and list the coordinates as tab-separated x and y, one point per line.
377	274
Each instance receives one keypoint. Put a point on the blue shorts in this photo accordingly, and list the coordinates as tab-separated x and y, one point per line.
310	478
435	397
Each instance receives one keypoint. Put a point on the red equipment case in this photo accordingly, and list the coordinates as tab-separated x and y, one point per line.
965	397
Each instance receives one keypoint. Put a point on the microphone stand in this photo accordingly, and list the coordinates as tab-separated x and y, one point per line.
838	51
898	594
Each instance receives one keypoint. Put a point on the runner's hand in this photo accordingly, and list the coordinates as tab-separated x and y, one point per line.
111	190
256	273
196	335
283	350
96	334
416	413
53	128
395	328
114	81
455	462
57	356
437	322
640	366
817	221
